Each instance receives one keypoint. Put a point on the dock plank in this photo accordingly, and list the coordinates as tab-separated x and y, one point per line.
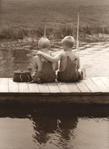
91	85
100	84
4	85
53	87
23	87
13	86
91	90
43	88
82	86
63	87
105	80
33	88
73	87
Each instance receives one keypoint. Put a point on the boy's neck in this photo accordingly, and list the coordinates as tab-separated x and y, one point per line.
45	50
68	49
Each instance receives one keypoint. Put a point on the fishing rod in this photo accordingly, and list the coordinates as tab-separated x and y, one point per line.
0	6
45	27
77	40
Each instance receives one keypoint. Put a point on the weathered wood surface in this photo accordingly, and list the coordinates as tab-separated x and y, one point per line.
89	90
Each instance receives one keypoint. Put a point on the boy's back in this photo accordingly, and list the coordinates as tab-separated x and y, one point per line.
45	70
69	65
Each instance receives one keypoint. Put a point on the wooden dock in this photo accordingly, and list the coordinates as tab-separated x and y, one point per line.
89	90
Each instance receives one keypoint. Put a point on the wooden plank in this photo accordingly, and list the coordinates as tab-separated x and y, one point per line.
100	84
53	87
63	87
23	87
33	87
43	88
105	80
33	98
4	85
13	86
73	87
82	86
91	85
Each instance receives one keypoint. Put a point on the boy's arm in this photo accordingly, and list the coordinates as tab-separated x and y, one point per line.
55	66
50	58
35	66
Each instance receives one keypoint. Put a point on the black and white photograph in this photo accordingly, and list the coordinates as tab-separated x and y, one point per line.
54	74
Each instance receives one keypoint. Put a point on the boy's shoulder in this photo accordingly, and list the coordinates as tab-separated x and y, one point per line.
57	53
62	52
40	58
36	57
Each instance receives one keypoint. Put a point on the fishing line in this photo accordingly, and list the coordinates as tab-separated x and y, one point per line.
77	40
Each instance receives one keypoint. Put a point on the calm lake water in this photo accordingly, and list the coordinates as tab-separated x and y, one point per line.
55	126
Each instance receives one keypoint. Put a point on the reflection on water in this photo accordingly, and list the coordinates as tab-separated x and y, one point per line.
11	60
38	127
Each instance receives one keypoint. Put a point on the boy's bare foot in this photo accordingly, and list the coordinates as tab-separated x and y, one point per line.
37	80
83	73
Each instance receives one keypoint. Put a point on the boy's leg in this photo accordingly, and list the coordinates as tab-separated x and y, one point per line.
37	80
56	72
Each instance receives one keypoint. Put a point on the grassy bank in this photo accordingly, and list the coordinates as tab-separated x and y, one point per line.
86	33
25	18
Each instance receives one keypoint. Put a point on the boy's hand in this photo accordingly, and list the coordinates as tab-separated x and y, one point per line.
39	53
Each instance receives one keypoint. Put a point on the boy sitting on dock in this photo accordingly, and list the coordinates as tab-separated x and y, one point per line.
69	62
44	70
